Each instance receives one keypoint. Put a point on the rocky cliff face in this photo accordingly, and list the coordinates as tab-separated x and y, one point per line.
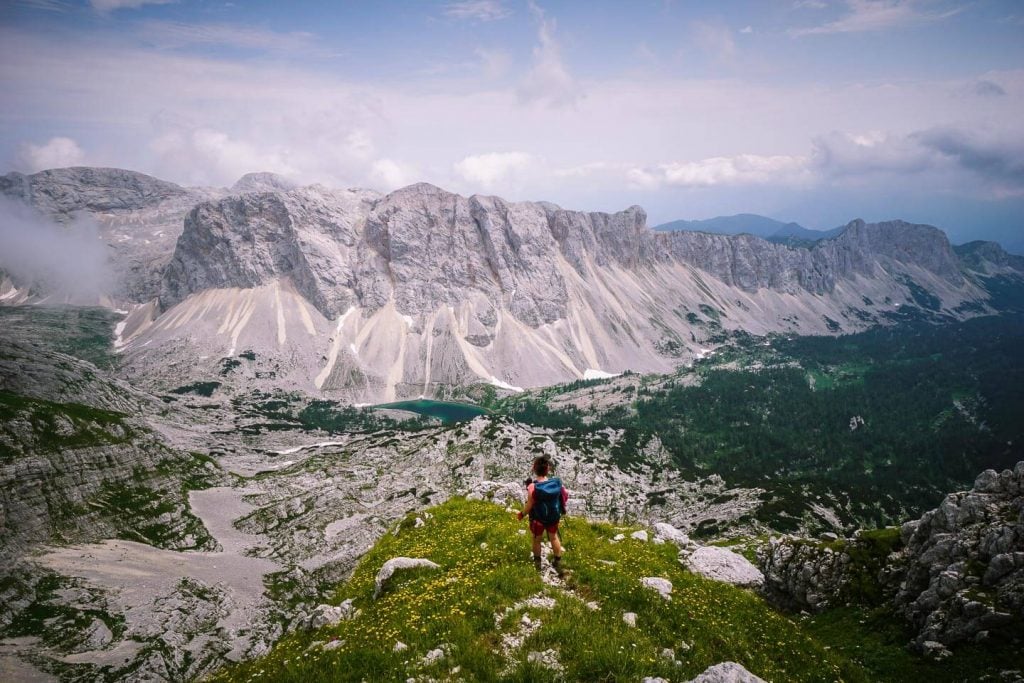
423	248
965	562
386	297
956	574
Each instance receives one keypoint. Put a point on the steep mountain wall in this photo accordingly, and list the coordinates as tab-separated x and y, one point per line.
381	297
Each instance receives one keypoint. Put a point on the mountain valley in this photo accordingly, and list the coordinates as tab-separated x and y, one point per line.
222	445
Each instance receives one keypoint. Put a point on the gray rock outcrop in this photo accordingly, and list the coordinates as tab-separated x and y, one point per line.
803	575
964	561
726	672
722	564
395	564
660	585
957	573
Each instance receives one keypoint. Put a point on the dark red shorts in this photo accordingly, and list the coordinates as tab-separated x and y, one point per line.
537	527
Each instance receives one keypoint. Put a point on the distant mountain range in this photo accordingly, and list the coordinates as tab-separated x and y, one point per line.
751	224
377	298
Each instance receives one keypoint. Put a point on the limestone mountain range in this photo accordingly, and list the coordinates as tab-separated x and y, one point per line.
371	297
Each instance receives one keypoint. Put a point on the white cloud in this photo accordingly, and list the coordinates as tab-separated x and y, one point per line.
715	39
208	121
211	157
58	152
45	5
843	155
387	174
877	15
477	10
175	34
548	80
743	169
494	62
996	157
644	52
69	259
809	4
747	30
111	5
488	171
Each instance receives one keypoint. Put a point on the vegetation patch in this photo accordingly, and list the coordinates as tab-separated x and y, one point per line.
61	426
199	388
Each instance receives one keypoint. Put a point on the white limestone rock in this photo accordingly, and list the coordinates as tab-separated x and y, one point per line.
721	564
671	534
330	615
726	672
659	584
547	659
395	564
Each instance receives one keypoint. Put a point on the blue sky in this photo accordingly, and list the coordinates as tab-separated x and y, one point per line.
817	111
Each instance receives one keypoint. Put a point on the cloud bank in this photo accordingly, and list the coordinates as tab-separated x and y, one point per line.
68	261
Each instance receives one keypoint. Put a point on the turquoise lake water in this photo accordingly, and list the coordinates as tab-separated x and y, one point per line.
445	411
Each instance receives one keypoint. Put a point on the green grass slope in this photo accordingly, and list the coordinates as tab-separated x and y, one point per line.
473	608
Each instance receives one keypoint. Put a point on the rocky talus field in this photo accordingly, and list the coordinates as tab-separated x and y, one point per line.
287	437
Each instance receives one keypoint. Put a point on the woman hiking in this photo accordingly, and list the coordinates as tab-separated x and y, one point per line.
545	505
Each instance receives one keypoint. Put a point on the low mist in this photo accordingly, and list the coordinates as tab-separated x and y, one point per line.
68	262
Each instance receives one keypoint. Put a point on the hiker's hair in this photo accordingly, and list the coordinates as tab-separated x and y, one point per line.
541	465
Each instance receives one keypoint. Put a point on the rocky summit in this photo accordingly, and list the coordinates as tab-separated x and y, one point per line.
369	298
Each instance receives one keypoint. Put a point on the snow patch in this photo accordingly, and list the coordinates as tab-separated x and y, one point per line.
592	373
505	385
118	331
296	449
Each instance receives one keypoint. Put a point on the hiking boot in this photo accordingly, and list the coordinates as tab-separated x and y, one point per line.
536	562
556	561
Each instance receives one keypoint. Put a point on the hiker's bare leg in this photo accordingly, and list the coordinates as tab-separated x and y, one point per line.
556	544
536	546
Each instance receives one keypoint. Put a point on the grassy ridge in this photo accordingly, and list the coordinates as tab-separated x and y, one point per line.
485	569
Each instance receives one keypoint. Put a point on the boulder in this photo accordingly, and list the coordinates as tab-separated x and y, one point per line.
656	583
671	534
329	615
721	564
726	672
395	564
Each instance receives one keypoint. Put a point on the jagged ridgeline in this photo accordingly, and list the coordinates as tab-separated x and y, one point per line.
373	298
268	391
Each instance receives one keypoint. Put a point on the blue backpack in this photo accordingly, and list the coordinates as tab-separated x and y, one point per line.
547	501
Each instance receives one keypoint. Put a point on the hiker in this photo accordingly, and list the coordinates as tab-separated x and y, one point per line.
545	505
